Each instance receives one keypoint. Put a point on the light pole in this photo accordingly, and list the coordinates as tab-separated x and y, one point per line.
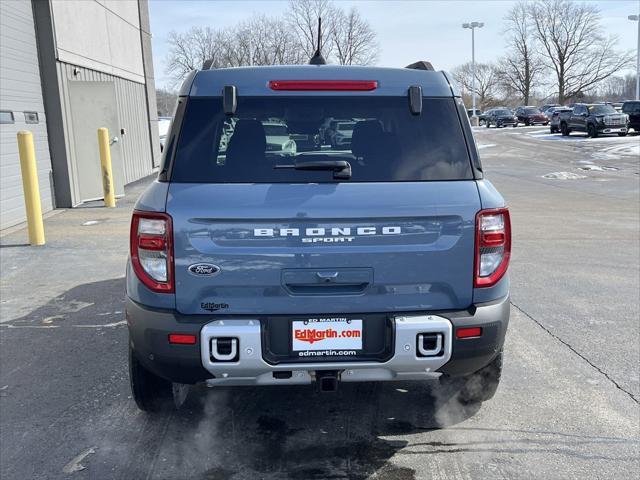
473	26
636	18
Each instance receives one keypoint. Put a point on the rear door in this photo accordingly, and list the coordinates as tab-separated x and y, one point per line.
396	236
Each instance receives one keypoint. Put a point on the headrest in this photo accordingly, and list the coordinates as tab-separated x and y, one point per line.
248	140
367	135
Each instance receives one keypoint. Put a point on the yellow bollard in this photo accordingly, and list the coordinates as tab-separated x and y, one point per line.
31	188
105	164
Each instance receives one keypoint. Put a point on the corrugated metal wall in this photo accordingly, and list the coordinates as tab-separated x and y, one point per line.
132	116
20	91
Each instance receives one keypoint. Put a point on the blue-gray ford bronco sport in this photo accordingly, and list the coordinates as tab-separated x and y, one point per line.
318	224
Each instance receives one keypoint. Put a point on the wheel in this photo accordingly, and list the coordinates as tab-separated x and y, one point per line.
552	129
487	123
477	387
527	123
515	125
591	131
150	392
622	134
546	123
482	122
564	130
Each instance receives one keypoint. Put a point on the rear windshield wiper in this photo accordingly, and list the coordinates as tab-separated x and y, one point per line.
341	168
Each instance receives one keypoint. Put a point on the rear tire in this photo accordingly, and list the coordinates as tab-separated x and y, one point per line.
483	123
564	130
591	131
477	387
622	134
150	392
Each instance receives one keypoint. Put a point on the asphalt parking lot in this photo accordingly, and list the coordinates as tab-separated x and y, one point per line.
568	405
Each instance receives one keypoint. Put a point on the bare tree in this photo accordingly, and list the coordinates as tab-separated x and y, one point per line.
165	101
485	81
263	40
354	40
518	71
260	40
303	18
574	47
189	50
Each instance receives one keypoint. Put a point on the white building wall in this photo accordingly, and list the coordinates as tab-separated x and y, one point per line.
103	35
20	91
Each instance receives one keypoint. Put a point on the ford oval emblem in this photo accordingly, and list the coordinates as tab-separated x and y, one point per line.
204	269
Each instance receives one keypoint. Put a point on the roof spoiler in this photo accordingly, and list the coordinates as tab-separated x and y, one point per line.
421	65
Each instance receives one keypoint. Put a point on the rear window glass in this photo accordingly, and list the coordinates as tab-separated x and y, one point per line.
531	111
378	136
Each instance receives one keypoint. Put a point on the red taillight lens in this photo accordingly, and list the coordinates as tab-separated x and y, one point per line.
493	246
151	250
324	85
182	339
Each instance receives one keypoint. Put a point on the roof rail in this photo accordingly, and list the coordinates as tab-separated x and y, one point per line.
421	65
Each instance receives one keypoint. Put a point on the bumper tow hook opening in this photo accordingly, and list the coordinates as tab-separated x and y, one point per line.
224	349
429	344
327	380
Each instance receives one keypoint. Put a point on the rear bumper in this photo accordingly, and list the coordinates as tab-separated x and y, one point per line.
149	330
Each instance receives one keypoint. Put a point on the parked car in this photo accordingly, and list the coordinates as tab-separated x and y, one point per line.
306	142
340	133
617	106
544	108
278	140
531	116
632	110
384	262
501	117
594	119
482	118
163	128
555	114
328	127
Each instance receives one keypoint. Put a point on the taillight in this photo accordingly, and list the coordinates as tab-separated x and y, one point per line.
151	250
493	246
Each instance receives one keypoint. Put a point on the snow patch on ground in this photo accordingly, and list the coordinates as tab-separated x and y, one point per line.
598	168
563	176
486	145
632	149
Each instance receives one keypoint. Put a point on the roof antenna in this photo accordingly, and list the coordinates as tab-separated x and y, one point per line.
317	58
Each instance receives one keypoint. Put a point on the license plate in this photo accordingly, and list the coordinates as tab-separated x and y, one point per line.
326	334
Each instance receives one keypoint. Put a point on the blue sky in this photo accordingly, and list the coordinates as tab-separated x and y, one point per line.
408	30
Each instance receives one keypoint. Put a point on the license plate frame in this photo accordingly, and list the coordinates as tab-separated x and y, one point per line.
326	334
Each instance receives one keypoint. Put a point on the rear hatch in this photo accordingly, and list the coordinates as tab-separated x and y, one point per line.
395	235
